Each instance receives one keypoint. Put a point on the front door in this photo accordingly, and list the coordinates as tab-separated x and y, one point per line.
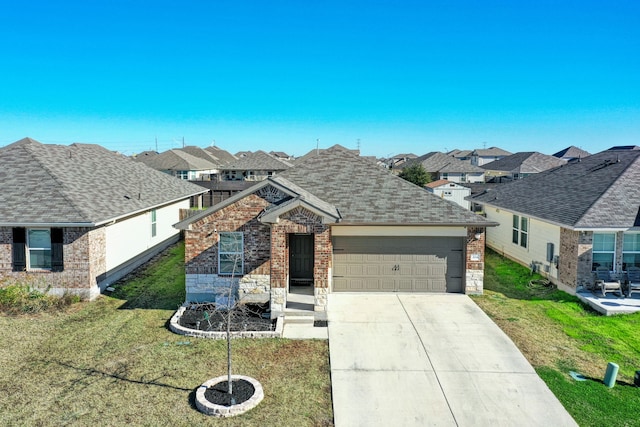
301	259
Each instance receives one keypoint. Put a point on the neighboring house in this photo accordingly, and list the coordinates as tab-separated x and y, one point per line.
76	218
571	153
451	191
443	166
222	155
483	156
281	155
338	223
464	155
521	165
254	167
182	165
201	153
399	160
570	220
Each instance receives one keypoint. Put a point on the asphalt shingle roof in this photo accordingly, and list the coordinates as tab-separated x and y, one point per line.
524	162
602	190
224	156
572	152
443	163
364	193
259	160
79	183
177	160
490	152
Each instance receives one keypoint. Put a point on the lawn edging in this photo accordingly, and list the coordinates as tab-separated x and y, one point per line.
177	328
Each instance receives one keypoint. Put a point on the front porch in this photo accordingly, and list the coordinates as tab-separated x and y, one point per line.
610	304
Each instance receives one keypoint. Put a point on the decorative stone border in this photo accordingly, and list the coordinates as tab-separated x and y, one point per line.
177	328
209	408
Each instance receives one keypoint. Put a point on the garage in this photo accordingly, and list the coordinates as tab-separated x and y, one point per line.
398	264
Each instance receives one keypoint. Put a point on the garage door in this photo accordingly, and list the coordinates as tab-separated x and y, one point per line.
397	264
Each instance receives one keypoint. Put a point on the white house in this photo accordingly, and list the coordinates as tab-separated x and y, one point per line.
568	221
450	191
74	219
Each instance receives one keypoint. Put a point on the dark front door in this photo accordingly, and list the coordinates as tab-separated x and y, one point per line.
301	259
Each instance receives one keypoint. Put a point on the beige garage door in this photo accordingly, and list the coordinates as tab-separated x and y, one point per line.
397	264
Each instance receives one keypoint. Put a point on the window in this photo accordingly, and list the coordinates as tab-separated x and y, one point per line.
630	250
230	254
37	249
604	250
153	223
520	233
39	246
182	174
463	177
444	175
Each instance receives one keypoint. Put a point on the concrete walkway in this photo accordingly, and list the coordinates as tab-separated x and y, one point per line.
430	359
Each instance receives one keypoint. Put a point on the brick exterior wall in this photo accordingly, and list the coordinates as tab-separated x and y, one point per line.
201	242
300	220
84	263
474	260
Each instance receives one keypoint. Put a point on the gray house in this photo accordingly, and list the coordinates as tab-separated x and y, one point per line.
315	225
521	165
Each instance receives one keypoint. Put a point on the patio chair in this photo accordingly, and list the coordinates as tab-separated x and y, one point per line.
633	276
606	283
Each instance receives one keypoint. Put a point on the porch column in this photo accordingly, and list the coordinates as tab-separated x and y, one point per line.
279	266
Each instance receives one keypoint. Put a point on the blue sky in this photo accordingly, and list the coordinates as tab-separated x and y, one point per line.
392	76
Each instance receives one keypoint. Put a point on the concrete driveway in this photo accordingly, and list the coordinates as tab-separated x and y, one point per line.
430	359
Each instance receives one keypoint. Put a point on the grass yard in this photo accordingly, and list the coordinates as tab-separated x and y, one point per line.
114	362
558	334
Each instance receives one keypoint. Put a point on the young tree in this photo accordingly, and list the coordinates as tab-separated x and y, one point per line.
415	173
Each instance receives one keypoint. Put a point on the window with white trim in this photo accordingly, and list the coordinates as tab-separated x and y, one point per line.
520	232
153	222
630	250
604	250
39	248
231	254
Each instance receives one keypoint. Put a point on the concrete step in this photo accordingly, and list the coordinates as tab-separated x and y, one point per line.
298	319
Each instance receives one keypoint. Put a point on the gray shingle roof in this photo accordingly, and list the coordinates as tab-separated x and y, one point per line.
224	156
258	161
367	194
572	152
600	191
443	163
79	184
177	160
201	153
524	162
490	152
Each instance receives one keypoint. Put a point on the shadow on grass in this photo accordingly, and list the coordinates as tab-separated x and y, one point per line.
158	284
92	372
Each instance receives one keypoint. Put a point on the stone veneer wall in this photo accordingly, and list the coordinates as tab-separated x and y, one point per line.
474	262
299	220
84	263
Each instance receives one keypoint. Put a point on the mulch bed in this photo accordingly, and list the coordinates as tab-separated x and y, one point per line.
246	317
242	391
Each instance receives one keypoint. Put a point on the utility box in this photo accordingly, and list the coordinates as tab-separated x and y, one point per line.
550	252
636	379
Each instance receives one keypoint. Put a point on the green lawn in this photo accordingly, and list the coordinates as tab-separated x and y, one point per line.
558	334
114	362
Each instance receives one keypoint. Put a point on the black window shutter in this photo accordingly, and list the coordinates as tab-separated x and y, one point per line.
19	249
57	245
